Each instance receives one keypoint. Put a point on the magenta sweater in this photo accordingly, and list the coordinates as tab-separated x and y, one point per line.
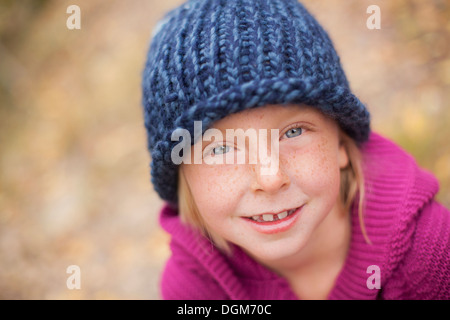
410	234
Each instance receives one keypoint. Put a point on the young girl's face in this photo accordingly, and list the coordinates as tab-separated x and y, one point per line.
271	216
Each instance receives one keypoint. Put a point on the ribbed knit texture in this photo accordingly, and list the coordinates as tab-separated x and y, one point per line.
212	58
410	234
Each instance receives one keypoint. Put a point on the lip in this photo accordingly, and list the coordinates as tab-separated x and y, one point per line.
273	227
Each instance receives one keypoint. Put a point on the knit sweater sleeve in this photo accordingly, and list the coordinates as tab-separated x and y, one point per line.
184	278
424	273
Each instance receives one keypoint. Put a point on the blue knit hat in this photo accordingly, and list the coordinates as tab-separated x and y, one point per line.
211	58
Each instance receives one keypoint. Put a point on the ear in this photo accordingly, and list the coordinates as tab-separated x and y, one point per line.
343	157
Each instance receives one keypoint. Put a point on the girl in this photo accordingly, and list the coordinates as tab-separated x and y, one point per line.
346	214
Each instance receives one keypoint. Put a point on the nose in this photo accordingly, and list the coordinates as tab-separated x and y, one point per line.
269	181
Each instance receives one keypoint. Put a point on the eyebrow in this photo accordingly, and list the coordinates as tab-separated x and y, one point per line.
303	116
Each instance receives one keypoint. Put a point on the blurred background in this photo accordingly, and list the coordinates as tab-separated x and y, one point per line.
74	170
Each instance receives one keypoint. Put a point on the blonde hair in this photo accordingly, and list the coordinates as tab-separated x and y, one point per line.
351	186
352	181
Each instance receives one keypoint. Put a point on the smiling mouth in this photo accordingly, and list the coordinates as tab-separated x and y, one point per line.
274	223
269	217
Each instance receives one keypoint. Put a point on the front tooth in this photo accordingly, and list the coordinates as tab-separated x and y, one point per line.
267	217
282	215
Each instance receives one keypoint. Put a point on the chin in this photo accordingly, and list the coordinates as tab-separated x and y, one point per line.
276	251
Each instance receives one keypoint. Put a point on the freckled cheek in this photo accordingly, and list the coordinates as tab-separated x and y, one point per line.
313	170
216	190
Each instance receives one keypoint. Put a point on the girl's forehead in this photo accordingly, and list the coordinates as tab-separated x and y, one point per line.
269	115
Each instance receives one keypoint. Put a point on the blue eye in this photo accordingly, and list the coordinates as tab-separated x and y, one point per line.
220	150
294	132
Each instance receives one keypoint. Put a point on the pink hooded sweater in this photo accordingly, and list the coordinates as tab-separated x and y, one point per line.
410	234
